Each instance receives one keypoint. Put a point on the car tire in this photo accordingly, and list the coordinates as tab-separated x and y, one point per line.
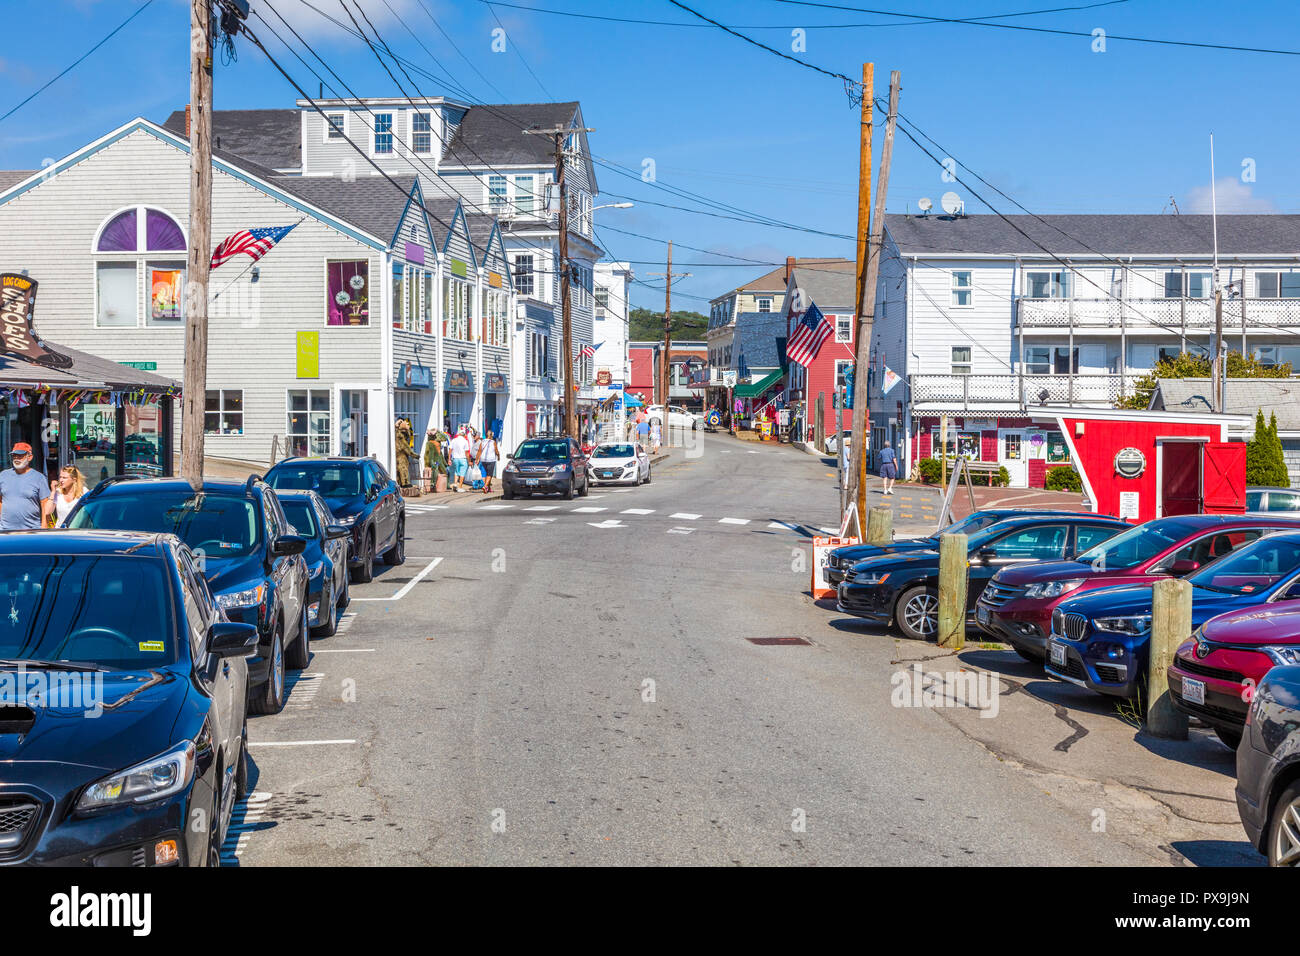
647	476
345	596
300	651
214	827
365	573
568	492
326	608
397	553
917	612
506	493
241	771
1283	845
586	488
271	699
1230	738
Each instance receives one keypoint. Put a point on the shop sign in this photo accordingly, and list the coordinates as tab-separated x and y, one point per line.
1130	462
416	376
457	380
494	280
494	382
459	268
1128	504
604	377
17	334
309	355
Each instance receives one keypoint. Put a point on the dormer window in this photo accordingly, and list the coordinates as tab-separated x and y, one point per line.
335	126
422	133
383	134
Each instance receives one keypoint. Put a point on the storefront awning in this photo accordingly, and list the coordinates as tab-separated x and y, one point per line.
755	389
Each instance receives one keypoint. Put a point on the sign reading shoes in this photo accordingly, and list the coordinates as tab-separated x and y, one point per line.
1130	462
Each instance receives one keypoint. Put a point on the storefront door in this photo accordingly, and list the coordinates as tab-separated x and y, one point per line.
1011	452
352	423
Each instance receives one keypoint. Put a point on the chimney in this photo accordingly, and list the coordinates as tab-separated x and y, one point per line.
789	260
187	125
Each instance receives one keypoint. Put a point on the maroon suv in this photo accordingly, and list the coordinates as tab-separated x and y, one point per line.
1017	605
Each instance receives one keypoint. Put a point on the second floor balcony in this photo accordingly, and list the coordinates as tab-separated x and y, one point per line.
1010	392
1154	315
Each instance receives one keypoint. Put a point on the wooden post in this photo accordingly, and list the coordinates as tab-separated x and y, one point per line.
1171	624
199	114
880	526
819	422
952	591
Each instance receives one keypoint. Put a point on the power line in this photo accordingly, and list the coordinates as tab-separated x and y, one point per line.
138	10
520	55
447	37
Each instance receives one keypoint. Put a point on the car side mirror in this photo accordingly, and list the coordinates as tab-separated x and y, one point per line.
336	531
289	544
232	639
510	454
1184	566
987	554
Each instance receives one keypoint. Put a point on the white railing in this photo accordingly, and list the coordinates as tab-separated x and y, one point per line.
1147	314
1023	391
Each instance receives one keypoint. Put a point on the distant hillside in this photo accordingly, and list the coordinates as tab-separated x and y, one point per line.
644	324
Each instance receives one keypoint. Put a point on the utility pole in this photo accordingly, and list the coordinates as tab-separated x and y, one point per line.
560	134
665	367
199	115
868	271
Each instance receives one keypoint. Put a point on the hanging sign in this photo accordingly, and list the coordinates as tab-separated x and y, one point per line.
17	335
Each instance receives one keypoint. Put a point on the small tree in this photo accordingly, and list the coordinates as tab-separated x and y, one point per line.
1184	365
1264	462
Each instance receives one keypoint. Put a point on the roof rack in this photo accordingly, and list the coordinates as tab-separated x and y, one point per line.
110	480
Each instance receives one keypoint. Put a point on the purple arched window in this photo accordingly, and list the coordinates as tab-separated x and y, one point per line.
119	235
161	232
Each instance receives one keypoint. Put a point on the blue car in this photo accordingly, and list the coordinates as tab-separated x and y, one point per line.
124	741
245	547
326	555
1100	640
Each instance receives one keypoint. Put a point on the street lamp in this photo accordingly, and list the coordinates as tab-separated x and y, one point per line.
614	205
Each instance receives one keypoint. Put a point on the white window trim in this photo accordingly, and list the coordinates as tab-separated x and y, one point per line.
969	289
325	126
140	258
221	411
333	412
969	364
375	134
411	127
848	339
326	261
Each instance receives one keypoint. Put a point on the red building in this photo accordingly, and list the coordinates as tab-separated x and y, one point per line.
645	358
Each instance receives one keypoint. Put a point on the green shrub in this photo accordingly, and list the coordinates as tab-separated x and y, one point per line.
1264	462
930	470
1063	478
1003	477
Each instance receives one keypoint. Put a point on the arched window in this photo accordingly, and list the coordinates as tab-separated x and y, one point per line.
133	243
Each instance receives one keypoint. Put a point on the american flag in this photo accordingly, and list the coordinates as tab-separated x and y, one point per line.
587	351
807	338
255	242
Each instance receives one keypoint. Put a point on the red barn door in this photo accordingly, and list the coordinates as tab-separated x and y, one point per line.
1225	477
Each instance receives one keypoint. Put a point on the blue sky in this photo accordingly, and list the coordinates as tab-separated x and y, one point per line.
1057	126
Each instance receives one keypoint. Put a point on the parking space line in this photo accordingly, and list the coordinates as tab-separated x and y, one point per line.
297	743
409	584
342	650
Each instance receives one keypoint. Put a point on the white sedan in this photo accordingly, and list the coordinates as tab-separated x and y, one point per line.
833	445
617	463
678	417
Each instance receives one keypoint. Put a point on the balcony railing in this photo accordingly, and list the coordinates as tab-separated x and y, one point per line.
1141	315
1022	391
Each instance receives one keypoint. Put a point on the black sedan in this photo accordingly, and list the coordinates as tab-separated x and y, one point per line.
904	588
1268	767
326	555
546	466
361	496
119	627
841	559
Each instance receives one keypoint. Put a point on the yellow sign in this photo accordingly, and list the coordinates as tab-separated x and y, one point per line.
309	355
494	280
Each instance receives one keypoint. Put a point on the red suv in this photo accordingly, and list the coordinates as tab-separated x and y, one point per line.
1017	605
1215	672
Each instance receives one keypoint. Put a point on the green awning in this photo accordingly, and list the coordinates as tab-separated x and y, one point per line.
758	388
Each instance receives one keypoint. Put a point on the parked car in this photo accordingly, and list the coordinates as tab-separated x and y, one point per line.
1271	501
833	442
1100	640
619	463
904	588
1018	603
1268	768
362	498
246	549
841	559
326	555
1215	672
152	779
546	466
678	417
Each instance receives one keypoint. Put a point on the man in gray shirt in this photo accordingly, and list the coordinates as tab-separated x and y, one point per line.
23	491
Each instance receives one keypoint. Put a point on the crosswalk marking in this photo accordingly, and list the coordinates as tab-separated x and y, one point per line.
733	521
543	508
684	516
539	521
586	511
494	507
639	511
680	530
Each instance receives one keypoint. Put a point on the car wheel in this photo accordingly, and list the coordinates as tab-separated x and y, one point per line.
214	828
345	596
568	492
506	493
586	489
271	699
366	572
300	650
647	476
326	609
397	553
1284	829
241	771
1231	738
917	612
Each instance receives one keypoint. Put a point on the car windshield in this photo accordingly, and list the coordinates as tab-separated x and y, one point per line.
614	451
543	449
1130	548
973	523
327	479
216	525
105	610
1251	569
301	515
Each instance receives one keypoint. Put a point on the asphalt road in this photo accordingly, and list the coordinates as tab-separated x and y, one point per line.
548	687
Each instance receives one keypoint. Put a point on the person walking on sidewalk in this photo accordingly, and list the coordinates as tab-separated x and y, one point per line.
888	468
488	461
459	458
24	492
435	457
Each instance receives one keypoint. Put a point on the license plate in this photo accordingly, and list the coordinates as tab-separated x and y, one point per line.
532	481
1057	652
982	615
1194	690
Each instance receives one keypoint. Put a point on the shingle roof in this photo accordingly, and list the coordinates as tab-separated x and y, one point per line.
12	177
756	338
1108	235
1243	396
86	371
495	134
370	202
270	138
774	281
832	291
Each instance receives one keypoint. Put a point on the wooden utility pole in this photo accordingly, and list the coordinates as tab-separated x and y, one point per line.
870	239
199	115
560	134
665	366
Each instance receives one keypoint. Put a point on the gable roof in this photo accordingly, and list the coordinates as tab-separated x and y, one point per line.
495	134
760	337
12	177
831	290
1242	396
1108	235
270	138
369	202
774	281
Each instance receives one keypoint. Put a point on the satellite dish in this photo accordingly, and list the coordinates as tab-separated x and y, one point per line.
952	204
925	203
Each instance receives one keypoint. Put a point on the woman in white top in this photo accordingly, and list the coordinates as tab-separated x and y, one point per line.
488	455
65	492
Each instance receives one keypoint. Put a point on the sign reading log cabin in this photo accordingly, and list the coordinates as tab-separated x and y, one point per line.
17	336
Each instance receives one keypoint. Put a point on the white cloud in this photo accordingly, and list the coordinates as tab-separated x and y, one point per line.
1233	196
